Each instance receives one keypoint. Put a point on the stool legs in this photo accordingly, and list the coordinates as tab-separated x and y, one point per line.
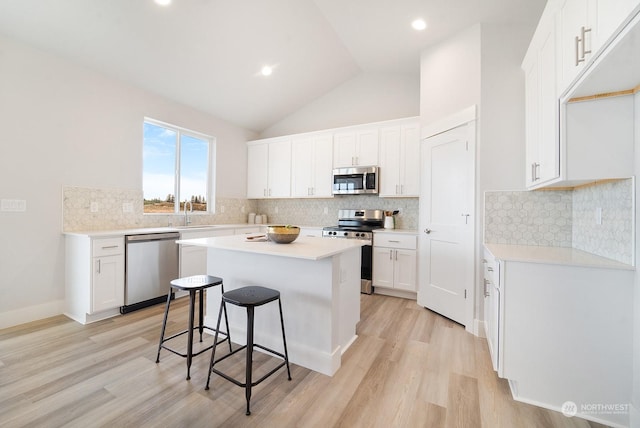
215	340
249	363
164	325
284	340
192	303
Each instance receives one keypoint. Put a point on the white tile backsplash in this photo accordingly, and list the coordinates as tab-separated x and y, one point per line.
565	218
78	216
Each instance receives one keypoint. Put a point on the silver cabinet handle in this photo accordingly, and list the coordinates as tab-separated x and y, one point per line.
584	32
576	48
427	231
391	240
390	254
108	247
99	266
396	254
490	269
486	289
396	189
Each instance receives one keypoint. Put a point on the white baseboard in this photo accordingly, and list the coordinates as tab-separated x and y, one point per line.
31	313
411	295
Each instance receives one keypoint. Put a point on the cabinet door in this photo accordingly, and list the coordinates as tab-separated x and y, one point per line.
410	160
608	15
302	167
405	270
279	169
107	287
574	50
549	144
532	120
193	260
383	267
257	178
344	149
367	147
390	141
322	166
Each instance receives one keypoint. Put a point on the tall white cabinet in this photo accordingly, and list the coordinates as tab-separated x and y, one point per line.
400	160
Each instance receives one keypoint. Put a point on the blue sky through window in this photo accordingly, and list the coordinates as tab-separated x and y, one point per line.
159	160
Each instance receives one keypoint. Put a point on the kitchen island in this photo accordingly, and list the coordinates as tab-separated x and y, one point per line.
319	284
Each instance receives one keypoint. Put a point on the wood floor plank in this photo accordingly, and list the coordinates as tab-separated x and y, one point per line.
409	367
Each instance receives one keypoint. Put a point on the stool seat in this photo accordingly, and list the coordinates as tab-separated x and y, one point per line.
251	296
196	282
193	284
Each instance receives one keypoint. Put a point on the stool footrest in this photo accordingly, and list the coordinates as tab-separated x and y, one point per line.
220	340
237	382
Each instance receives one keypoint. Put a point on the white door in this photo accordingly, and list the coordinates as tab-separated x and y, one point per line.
446	243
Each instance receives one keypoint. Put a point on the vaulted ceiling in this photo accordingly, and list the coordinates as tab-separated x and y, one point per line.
208	53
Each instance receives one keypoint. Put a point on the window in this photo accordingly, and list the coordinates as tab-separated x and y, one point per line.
177	167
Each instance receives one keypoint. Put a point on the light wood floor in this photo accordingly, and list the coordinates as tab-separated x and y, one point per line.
408	368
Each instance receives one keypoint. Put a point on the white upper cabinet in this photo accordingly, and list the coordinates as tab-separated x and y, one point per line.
357	147
542	132
575	39
400	160
269	169
311	166
585	27
569	142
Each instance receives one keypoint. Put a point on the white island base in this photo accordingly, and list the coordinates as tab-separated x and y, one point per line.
319	284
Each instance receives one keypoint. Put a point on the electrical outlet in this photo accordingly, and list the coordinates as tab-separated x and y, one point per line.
275	210
13	205
94	207
242	209
127	207
326	210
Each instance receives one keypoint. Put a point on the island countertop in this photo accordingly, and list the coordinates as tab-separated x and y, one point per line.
308	248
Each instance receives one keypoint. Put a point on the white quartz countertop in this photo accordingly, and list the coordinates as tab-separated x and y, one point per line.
552	255
143	230
310	248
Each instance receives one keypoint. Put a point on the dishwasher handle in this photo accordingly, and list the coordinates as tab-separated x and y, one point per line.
148	237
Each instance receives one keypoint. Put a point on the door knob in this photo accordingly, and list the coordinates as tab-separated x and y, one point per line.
427	231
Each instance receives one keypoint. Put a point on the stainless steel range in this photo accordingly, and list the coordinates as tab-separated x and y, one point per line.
359	224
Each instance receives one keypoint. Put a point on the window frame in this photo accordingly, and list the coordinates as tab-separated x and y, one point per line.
211	164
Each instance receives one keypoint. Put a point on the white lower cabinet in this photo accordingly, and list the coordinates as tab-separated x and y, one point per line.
94	277
394	261
561	332
491	291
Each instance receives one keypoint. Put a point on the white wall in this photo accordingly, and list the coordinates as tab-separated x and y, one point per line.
450	76
365	98
63	124
481	66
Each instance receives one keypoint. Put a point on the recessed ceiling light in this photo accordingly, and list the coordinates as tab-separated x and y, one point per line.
266	70
419	24
163	2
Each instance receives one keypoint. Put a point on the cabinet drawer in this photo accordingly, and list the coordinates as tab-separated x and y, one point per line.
407	242
107	247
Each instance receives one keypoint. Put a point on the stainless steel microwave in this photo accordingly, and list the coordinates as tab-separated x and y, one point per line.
355	180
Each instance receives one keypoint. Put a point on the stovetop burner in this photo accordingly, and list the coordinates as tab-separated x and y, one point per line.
355	224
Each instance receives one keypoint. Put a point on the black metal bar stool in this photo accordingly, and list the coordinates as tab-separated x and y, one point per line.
193	284
249	297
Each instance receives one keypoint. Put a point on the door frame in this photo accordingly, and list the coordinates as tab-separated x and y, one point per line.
462	117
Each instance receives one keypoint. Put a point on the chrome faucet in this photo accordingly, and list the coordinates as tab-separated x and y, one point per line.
187	220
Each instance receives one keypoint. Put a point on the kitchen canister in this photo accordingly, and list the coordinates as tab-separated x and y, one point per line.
252	218
389	222
258	219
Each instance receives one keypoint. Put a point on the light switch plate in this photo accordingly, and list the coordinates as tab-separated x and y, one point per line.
13	205
94	207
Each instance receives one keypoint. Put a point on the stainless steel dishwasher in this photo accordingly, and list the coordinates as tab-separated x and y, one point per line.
151	263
